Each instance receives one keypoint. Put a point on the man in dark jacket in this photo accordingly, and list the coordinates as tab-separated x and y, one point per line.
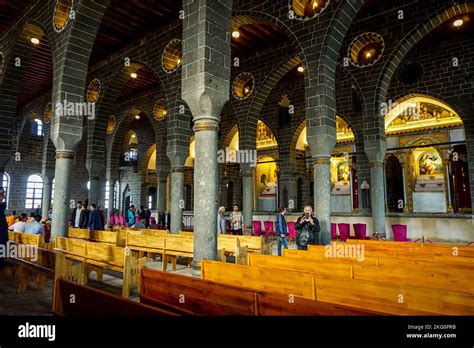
281	230
79	216
95	220
146	216
308	228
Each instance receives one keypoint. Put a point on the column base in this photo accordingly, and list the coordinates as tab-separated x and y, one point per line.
196	268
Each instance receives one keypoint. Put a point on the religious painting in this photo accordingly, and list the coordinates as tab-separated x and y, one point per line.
343	171
430	163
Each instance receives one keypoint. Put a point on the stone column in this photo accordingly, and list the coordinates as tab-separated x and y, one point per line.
375	151
177	198
247	196
161	193
205	88
46	200
94	190
291	187
205	191
322	196
378	196
62	190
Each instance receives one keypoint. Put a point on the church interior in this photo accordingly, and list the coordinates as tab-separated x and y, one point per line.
237	157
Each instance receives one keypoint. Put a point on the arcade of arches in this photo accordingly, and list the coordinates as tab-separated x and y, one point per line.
373	123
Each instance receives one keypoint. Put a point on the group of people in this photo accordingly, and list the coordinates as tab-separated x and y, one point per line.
307	226
140	218
89	217
21	223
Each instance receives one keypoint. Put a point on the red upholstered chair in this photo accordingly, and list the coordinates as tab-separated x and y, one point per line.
292	230
257	228
333	231
400	233
269	229
360	231
344	231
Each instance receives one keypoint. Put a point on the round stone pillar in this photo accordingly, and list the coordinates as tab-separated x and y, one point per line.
205	191
161	195
177	198
377	194
94	190
110	198
46	199
62	190
247	198
322	197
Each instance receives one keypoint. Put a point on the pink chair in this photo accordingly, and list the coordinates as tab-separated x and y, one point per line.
269	229
257	228
121	220
333	231
292	230
360	231
400	233
112	220
344	231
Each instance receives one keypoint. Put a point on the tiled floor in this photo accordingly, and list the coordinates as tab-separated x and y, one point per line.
33	302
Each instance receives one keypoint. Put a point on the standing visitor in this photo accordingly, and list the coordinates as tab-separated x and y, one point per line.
221	222
308	228
95	220
281	230
236	221
131	216
34	227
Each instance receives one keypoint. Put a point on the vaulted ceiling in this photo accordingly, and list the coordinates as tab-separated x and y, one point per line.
10	12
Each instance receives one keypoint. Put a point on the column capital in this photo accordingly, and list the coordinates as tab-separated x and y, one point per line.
177	169
321	160
206	125
64	154
376	164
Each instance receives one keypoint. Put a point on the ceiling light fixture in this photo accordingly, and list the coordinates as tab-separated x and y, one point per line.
133	75
300	69
458	22
235	34
35	41
133	135
137	117
179	60
368	54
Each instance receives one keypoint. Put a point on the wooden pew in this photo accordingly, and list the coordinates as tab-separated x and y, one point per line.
145	243
433	248
94	257
107	237
175	247
194	296
392	299
93	302
281	282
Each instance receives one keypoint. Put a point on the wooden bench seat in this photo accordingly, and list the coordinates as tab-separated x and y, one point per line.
94	302
311	255
284	282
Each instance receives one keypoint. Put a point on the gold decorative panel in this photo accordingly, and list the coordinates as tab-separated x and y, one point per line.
62	11
159	110
172	55
243	85
307	9
48	113
93	91
111	124
366	49
265	137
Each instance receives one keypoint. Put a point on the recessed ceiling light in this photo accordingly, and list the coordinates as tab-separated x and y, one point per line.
300	69
133	75
235	34
133	135
458	22
246	90
368	54
35	41
315	4
179	60
137	117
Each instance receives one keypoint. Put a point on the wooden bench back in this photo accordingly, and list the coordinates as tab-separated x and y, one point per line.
156	233
321	257
194	296
75	247
137	242
301	265
104	237
430	248
395	299
104	253
80	233
26	238
179	244
94	302
284	282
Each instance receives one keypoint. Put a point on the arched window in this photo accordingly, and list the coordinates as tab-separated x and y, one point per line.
39	128
150	202
107	190
88	185
6	186
34	191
